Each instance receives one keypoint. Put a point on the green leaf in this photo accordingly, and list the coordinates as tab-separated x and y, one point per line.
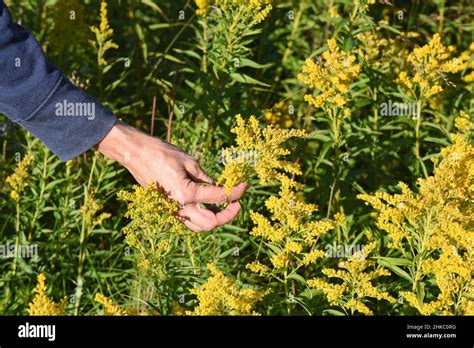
237	77
397	261
334	312
397	270
297	277
252	64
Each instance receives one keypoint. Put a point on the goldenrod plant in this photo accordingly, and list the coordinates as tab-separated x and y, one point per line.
351	122
430	232
41	304
219	295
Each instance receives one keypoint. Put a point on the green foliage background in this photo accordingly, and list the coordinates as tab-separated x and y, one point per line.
168	52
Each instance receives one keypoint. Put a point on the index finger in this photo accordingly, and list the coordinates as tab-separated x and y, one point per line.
210	194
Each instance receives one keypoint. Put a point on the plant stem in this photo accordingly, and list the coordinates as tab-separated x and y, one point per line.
84	230
334	187
17	231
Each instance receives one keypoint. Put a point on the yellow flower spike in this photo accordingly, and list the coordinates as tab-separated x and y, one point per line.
154	228
18	181
110	308
259	151
257	10
464	124
103	35
442	212
220	296
203	6
293	247
257	267
340	219
429	63
331	77
312	256
42	304
279	116
356	282
279	260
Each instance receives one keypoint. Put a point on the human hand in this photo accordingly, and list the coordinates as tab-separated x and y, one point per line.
151	160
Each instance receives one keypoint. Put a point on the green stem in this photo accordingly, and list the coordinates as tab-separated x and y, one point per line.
84	231
17	231
333	197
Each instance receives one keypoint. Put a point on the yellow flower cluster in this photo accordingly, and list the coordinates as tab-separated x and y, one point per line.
356	286
464	124
265	146
19	179
371	47
466	61
291	236
429	63
333	11
110	308
90	209
220	296
331	77
453	277
437	220
155	226
103	35
259	9
203	6
42	304
279	116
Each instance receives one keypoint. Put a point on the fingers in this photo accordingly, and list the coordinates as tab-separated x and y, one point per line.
200	193
206	193
200	219
191	226
196	173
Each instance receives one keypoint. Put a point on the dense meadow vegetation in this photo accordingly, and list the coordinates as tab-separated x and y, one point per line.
350	120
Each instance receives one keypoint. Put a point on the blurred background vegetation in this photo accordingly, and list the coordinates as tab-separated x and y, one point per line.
200	74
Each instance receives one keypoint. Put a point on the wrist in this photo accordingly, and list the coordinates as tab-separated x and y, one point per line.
121	144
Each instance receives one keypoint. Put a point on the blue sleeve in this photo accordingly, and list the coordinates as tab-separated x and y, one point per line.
37	96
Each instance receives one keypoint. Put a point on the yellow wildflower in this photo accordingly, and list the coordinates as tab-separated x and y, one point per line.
154	227
289	208
464	124
203	6
278	116
110	308
435	221
279	260
266	149
18	181
220	296
333	12
340	219
466	63
293	247
256	10
42	304
356	283
331	77
333	292
103	35
312	256
90	208
430	63
257	267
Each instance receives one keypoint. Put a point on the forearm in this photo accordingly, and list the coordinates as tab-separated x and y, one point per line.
32	92
122	143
